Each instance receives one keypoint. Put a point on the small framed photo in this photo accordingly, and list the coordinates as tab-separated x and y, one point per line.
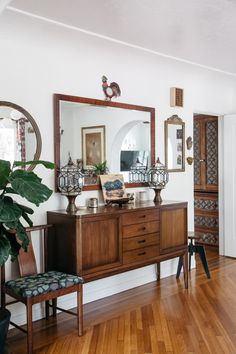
179	160
113	187
93	145
179	146
179	134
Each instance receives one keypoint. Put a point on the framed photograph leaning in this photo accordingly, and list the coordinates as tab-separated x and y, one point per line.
93	145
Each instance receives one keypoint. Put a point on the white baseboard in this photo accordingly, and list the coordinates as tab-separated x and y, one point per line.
99	289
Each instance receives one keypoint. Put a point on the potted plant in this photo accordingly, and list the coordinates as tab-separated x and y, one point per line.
13	215
100	168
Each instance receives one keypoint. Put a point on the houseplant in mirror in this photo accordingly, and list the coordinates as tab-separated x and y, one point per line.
100	168
22	184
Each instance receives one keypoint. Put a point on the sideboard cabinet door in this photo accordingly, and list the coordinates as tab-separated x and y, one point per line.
101	245
173	229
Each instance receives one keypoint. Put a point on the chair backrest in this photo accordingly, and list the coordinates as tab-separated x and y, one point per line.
26	260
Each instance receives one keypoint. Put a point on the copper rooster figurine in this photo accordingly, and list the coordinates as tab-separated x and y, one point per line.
112	90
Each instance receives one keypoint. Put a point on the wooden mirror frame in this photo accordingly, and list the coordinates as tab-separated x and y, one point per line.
60	97
34	126
174	120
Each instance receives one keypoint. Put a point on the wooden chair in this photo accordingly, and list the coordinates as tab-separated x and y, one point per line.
33	287
195	248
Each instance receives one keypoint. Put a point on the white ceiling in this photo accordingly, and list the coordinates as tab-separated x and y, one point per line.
199	31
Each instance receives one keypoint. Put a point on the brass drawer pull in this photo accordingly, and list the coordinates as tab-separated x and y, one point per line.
141	241
141	254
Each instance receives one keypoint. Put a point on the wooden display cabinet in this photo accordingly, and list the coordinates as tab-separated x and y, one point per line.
95	243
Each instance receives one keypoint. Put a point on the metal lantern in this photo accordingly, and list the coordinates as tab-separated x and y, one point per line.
70	183
138	172
157	179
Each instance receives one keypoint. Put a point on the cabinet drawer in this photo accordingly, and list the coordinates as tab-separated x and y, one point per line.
141	229
133	243
143	254
140	216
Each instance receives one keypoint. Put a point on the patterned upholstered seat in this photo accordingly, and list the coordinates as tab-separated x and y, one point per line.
34	288
42	283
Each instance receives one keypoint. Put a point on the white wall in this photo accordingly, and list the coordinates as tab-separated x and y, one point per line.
38	59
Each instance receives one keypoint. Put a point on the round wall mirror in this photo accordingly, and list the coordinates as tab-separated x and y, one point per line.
20	138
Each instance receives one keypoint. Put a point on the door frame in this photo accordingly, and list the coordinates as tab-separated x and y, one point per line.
221	184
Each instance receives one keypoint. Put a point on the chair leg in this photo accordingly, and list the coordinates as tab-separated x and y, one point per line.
80	309
29	326
180	264
202	254
54	307
190	257
47	309
158	271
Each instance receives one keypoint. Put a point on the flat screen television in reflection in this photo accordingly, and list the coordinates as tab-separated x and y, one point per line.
128	158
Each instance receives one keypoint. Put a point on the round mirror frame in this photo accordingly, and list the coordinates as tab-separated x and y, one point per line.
34	125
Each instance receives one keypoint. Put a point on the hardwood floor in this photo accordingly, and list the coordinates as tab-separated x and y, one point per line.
154	318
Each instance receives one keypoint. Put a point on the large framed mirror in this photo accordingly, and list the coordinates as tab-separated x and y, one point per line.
93	131
174	144
20	138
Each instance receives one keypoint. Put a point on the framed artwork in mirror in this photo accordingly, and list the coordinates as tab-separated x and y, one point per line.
93	145
174	144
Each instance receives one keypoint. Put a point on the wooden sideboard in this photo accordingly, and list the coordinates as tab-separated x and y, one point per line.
95	243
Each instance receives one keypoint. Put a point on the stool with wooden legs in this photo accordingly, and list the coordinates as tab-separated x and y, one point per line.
33	287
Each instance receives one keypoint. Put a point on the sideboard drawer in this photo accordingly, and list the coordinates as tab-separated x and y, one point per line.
141	229
138	242
140	216
140	254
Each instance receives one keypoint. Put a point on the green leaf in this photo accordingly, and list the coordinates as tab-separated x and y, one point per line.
29	176
46	164
27	219
22	236
5	248
29	186
5	169
9	211
10	190
25	209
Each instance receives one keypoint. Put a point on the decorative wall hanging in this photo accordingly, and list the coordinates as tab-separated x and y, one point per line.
175	144
189	143
110	91
189	160
176	97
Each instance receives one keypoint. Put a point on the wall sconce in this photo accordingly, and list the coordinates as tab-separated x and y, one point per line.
189	160
70	183
158	177
189	143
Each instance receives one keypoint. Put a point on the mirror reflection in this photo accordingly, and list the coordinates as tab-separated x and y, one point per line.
174	144
98	134
19	135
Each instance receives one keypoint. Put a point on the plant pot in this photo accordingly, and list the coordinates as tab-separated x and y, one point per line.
4	324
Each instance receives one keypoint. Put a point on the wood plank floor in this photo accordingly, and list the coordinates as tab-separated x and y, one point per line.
154	318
